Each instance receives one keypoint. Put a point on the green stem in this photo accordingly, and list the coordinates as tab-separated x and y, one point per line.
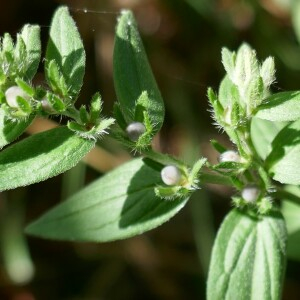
164	159
261	176
15	253
73	113
203	225
205	177
283	194
208	177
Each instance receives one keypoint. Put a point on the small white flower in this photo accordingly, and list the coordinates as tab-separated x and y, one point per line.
250	194
11	95
229	156
135	130
171	175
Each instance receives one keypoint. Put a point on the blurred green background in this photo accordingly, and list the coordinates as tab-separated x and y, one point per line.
183	40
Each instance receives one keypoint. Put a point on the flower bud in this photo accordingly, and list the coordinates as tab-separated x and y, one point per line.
230	155
46	105
11	95
250	193
135	130
171	175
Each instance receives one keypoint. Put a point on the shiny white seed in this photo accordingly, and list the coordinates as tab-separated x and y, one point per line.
11	95
135	130
171	175
230	155
250	194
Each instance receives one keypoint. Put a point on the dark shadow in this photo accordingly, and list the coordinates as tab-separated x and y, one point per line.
276	100
125	55
35	145
286	138
141	204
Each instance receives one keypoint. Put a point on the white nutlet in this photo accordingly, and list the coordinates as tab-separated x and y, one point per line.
47	107
11	95
171	175
135	130
229	156
250	193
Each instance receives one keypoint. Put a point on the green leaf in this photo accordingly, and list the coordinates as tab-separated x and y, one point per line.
228	61
10	130
263	133
8	45
20	55
41	156
283	162
55	102
132	72
229	166
31	37
227	92
23	105
66	48
218	109
284	106
76	127
295	13
25	87
143	103
246	68
55	79
84	115
291	213
217	146
267	71
119	205
248	258
96	107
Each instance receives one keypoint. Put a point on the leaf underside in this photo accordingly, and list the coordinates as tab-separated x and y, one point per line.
248	259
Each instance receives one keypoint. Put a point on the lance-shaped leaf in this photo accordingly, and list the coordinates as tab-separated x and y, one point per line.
132	73
283	162
41	156
248	259
118	205
66	48
31	36
10	130
284	106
